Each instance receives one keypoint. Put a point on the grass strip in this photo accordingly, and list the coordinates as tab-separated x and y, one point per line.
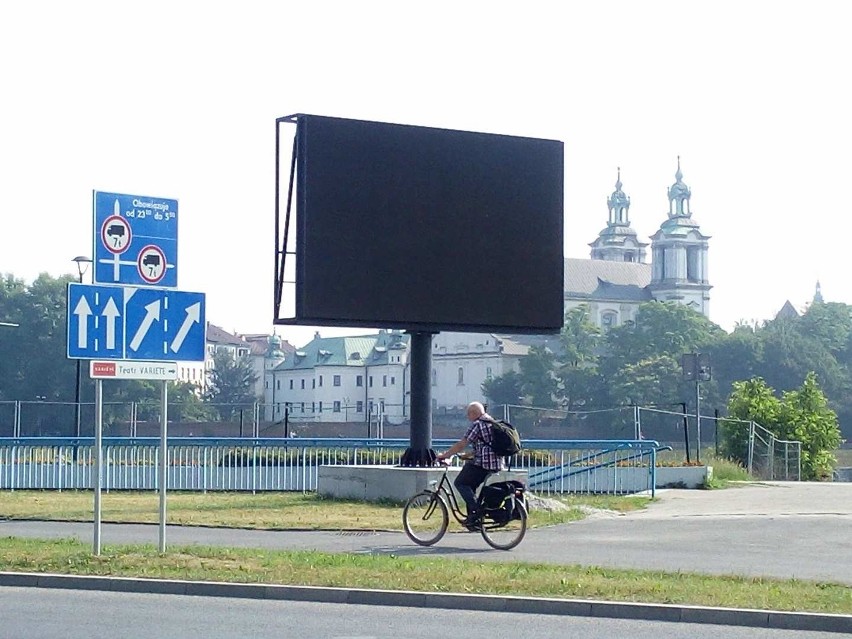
271	511
424	574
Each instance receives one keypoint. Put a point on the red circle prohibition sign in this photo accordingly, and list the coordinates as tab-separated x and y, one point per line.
116	234
151	260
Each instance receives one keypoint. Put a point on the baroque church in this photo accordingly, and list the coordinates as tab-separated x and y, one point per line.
617	278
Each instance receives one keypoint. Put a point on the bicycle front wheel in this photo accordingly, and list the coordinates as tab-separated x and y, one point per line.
425	518
505	535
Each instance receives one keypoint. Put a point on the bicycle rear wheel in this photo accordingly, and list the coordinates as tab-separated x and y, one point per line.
505	535
425	518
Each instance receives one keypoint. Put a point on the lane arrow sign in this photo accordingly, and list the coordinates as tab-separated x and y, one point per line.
82	311
152	313
193	316
110	312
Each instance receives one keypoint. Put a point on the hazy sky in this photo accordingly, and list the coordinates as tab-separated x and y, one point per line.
178	100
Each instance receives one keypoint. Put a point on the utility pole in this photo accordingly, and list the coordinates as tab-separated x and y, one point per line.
696	367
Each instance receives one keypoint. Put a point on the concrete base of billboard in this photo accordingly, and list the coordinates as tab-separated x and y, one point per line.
378	483
393	483
683	476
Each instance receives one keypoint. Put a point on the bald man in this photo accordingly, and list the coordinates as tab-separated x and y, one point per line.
484	461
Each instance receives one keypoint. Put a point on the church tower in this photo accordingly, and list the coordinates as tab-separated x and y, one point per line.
679	253
618	242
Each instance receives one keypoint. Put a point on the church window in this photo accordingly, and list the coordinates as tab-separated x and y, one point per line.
693	272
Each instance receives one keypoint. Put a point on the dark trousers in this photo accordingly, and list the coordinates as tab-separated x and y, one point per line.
470	477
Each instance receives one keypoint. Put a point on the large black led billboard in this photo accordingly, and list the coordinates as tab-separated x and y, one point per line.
425	229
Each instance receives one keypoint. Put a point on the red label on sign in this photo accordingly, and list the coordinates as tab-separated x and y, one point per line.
103	369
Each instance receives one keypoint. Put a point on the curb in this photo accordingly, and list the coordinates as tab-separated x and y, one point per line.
488	603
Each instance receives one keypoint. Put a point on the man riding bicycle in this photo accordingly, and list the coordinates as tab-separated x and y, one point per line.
484	461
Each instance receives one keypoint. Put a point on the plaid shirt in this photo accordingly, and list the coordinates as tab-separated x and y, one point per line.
479	434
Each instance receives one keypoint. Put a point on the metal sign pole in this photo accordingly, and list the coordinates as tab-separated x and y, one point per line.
697	421
98	454
163	465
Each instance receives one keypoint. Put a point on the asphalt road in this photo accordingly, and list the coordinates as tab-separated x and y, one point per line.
787	530
76	614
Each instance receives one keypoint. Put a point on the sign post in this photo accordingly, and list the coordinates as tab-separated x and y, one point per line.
99	449
130	322
164	466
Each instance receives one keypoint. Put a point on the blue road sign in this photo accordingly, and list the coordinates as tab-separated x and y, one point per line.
135	240
136	323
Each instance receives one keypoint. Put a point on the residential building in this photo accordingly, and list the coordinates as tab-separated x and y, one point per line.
345	379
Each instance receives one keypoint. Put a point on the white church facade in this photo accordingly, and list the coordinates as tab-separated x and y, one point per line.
616	280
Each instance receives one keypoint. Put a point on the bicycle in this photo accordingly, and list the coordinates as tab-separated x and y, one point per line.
426	516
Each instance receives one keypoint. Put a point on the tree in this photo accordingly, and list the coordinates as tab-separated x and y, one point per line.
577	377
789	354
506	389
806	417
33	360
799	415
231	383
660	328
830	323
655	380
735	357
751	400
538	382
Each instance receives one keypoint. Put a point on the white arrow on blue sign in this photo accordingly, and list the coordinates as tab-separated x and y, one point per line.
125	322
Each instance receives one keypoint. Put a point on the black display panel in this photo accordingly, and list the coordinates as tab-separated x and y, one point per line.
428	229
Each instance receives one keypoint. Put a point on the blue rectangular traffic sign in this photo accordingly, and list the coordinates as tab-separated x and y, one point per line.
135	240
135	323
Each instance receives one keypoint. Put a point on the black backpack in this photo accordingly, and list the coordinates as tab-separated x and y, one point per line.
505	440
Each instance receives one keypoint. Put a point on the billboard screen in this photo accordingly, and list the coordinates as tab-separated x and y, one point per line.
427	229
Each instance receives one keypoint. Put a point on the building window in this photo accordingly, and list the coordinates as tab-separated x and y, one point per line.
242	352
384	380
303	407
336	380
336	408
320	381
278	384
291	384
371	381
461	376
359	381
382	406
313	383
303	384
320	407
370	407
266	385
359	407
393	380
313	407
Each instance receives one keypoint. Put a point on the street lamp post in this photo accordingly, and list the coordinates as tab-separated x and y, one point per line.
82	265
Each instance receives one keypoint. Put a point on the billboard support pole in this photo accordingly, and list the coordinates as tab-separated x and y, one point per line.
419	452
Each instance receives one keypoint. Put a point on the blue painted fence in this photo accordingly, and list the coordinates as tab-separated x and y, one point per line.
239	464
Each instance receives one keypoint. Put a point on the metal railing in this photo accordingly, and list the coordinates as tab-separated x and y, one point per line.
228	464
771	458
